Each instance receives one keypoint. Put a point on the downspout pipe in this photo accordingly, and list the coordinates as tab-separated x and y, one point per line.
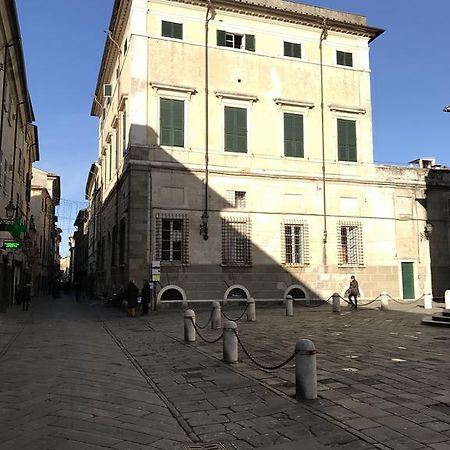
2	113
205	216
323	36
14	152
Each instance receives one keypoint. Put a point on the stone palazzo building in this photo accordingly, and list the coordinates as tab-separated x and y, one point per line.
236	152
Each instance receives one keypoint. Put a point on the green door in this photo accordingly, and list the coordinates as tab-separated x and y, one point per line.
408	279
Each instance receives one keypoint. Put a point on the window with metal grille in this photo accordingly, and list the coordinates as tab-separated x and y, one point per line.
295	248
172	232
236	199
350	244
236	241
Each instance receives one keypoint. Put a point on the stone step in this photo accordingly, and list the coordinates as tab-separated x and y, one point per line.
442	317
446	312
432	321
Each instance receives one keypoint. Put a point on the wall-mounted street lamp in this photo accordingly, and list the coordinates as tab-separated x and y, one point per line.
428	230
10	210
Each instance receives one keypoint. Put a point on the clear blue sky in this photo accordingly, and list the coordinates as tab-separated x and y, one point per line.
63	43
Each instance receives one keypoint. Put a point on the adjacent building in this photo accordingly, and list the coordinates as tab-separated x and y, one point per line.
19	148
236	154
46	236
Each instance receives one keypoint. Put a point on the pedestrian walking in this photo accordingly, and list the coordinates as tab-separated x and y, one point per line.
131	296
353	292
26	297
145	295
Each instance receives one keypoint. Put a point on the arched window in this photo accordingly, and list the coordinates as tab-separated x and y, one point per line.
172	294
296	293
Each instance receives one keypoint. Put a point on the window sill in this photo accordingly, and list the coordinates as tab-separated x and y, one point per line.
236	265
345	266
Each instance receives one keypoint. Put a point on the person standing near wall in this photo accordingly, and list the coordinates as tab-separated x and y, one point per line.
353	292
131	296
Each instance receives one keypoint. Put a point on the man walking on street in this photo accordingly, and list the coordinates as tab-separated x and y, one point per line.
353	292
145	295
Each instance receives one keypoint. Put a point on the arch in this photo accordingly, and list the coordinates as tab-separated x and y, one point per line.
297	291
236	288
178	294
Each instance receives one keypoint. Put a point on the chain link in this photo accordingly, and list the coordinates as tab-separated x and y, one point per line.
239	318
407	302
203	338
321	303
262	366
207	323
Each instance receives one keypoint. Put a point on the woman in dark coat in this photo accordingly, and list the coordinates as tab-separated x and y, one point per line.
145	295
131	296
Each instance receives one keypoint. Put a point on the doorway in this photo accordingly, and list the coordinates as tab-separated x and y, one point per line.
408	280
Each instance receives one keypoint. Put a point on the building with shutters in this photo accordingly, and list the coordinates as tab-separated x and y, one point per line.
236	152
19	149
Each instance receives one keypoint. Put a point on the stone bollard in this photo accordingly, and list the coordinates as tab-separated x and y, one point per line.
447	299
428	301
289	306
336	302
384	301
189	329
216	319
305	370
230	342
251	310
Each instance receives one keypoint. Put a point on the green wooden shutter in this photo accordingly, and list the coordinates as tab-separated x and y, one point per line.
221	38
293	135
250	42
235	130
177	31
340	58
178	123
349	59
287	48
346	140
165	122
166	29
172	122
297	53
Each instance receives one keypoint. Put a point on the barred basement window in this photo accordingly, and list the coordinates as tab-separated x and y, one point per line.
172	237
350	244
236	241
236	199
295	248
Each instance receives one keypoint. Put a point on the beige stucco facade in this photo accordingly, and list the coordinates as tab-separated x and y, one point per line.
141	185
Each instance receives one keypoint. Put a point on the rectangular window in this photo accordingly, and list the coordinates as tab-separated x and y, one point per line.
295	243
236	199
235	129
236	242
346	130
293	135
172	122
344	59
235	40
350	244
172	238
172	29
292	50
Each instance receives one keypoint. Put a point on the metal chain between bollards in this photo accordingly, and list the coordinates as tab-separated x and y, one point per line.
369	303
239	318
262	366
321	303
207	323
203	338
406	302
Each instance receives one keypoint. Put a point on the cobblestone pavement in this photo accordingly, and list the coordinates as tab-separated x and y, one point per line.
83	376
